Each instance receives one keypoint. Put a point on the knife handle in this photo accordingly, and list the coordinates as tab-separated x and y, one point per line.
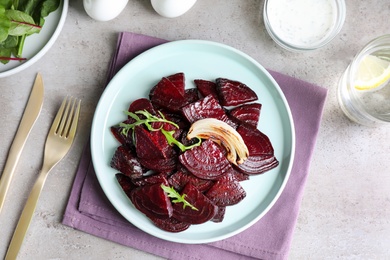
9	169
26	216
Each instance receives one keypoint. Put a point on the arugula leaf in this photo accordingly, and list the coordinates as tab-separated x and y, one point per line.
171	140
177	198
149	118
147	121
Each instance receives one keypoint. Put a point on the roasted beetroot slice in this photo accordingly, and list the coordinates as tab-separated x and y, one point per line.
178	80
142	104
152	201
125	161
206	87
122	138
152	145
125	182
191	95
152	179
261	153
180	179
206	161
206	209
234	93
220	215
247	113
258	164
257	142
170	224
166	95
239	176
226	191
159	165
207	107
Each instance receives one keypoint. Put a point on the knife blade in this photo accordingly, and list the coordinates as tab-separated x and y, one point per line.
30	115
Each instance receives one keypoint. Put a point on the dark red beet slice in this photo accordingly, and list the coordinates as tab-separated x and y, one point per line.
206	209
178	80
125	182
257	142
207	107
152	145
159	165
152	201
152	179
170	224
172	96
206	161
234	93
247	113
220	215
180	178
206	88
257	164
125	161
226	191
261	153
140	105
122	139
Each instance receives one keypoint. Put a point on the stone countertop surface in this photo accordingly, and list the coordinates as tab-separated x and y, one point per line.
345	211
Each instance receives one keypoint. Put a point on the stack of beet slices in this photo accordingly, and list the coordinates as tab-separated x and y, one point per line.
202	174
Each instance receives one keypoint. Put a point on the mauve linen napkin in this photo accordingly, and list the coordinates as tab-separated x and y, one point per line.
90	211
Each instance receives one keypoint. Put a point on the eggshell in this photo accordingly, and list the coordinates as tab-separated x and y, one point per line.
104	10
172	8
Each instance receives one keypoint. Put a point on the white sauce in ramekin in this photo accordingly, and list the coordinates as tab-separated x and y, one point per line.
302	22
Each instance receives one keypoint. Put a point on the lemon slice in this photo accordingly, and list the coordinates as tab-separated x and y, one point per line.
372	73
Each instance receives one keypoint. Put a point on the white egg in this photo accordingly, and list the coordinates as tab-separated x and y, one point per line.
172	8
104	10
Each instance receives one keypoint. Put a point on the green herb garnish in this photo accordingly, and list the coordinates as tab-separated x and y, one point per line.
149	119
177	198
171	140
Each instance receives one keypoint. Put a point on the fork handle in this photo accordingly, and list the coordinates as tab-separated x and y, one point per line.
26	216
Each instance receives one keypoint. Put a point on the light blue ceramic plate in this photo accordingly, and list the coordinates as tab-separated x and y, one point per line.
198	60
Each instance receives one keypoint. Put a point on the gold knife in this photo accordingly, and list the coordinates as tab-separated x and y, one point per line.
30	115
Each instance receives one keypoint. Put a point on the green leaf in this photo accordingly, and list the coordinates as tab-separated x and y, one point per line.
6	3
5	24
177	198
6	53
45	8
9	43
171	140
147	121
21	23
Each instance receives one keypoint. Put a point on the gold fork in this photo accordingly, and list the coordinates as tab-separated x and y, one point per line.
58	143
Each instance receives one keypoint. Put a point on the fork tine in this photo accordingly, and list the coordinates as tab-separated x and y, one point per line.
73	128
69	117
57	120
64	118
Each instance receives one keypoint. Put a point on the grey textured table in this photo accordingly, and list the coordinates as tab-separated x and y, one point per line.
345	211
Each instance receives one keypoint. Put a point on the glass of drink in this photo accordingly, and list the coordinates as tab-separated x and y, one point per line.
364	88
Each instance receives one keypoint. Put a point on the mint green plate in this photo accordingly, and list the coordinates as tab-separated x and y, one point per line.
198	60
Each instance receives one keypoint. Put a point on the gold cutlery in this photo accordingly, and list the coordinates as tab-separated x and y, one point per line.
30	115
58	143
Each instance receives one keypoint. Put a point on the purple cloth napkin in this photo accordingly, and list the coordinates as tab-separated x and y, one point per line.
89	210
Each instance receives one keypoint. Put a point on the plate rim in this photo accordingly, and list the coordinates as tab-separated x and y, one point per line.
46	47
276	86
